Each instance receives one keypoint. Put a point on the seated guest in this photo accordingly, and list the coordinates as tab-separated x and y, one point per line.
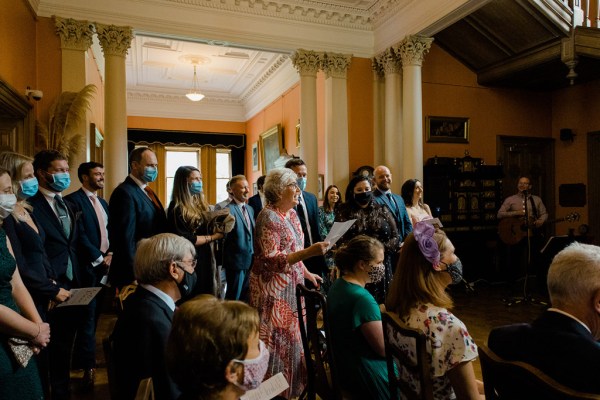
164	268
412	194
355	320
563	341
213	351
418	295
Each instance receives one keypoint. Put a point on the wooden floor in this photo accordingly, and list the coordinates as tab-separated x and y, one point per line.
480	310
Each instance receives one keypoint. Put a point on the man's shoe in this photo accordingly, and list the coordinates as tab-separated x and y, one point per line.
87	382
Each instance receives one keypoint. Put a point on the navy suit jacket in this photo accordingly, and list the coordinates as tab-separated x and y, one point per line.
238	245
256	204
556	344
132	217
314	264
401	217
140	337
59	248
89	232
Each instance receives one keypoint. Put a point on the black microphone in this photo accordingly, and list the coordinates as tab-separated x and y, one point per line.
525	193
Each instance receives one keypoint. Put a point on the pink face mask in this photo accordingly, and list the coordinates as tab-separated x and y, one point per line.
255	369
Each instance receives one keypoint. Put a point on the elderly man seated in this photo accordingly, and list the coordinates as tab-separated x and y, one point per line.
164	269
563	341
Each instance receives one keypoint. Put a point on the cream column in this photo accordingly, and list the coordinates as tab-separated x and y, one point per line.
75	40
392	144
337	162
115	41
412	50
378	111
308	63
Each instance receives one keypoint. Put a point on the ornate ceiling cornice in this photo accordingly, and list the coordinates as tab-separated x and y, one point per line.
264	78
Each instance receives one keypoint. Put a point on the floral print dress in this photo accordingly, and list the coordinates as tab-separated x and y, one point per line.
449	345
273	292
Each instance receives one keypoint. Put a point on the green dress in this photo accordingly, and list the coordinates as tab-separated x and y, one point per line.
362	372
15	382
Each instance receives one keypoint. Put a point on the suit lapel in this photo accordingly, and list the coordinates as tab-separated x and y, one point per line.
140	192
48	213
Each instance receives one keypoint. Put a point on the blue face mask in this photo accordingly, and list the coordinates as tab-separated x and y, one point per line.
301	183
196	187
29	187
61	181
150	174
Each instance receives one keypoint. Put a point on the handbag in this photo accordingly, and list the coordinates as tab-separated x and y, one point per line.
220	221
21	349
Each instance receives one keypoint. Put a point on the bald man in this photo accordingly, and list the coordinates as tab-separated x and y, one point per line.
383	195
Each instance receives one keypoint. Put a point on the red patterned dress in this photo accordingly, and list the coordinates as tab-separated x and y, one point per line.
273	292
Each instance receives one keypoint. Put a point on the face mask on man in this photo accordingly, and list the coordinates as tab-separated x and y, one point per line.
150	174
60	182
254	369
7	204
301	181
28	188
187	284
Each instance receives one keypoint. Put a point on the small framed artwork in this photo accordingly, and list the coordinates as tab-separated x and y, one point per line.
255	156
321	187
271	147
254	188
298	135
447	129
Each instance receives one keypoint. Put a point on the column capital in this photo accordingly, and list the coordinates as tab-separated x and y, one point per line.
74	35
307	62
390	62
115	40
377	67
336	65
412	49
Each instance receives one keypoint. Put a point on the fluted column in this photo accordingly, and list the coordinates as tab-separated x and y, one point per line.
115	42
308	63
337	162
378	111
412	50
392	145
75	40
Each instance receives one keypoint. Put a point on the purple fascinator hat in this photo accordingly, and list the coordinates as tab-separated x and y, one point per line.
423	233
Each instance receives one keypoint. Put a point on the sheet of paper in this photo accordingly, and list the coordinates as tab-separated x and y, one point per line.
435	222
80	297
268	389
337	231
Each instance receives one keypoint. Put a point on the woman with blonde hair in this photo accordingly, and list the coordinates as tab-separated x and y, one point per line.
418	295
186	217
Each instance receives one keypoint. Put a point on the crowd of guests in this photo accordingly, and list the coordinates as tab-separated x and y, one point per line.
214	308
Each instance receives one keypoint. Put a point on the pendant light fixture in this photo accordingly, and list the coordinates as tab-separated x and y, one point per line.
194	93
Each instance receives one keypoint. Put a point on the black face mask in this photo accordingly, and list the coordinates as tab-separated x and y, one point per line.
187	284
363	198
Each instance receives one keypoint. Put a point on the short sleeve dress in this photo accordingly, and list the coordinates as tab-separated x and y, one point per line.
15	382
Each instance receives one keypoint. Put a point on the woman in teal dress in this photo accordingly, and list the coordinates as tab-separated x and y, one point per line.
18	316
355	320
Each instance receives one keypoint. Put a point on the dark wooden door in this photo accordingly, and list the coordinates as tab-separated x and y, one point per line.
593	181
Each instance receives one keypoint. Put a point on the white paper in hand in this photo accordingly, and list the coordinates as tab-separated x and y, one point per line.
337	231
80	297
268	389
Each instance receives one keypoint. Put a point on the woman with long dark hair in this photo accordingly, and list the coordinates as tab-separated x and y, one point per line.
412	194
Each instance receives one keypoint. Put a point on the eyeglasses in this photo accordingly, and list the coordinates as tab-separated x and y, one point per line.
190	263
293	185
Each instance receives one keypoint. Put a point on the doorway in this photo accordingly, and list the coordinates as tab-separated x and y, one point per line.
593	181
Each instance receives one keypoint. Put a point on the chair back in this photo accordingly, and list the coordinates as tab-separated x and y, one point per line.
145	390
316	340
415	382
516	380
109	358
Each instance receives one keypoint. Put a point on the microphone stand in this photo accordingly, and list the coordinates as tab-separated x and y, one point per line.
526	298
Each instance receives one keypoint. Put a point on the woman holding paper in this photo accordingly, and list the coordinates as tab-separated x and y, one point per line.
277	269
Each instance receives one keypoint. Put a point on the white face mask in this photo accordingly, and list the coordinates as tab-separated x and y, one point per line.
7	204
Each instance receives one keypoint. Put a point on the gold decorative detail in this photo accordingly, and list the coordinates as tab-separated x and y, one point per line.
336	65
307	62
74	35
115	40
412	49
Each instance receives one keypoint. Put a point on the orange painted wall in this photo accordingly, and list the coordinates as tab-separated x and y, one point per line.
93	77
360	113
49	66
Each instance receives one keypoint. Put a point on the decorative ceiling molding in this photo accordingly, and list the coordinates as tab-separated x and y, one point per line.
267	75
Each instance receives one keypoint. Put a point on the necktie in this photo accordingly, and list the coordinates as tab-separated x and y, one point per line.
302	208
246	217
63	218
392	202
101	222
153	197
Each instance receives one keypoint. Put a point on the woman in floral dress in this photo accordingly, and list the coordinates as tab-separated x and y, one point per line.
427	266
277	269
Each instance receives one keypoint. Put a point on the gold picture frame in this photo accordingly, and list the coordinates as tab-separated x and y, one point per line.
271	147
447	129
298	135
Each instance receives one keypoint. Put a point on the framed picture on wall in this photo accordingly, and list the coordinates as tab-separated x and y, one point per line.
447	129
255	156
271	147
298	135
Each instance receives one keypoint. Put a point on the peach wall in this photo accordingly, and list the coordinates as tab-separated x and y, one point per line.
360	113
49	65
92	76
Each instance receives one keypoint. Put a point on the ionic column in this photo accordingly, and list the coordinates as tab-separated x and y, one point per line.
378	111
75	40
337	163
308	63
412	50
392	143
115	41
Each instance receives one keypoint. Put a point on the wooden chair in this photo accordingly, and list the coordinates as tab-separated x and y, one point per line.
418	368
145	390
516	380
317	346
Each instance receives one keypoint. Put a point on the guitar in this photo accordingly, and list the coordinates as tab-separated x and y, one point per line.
512	229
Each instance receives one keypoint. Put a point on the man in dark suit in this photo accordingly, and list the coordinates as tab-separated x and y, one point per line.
238	244
135	213
93	253
59	222
383	195
563	342
308	213
258	201
165	271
